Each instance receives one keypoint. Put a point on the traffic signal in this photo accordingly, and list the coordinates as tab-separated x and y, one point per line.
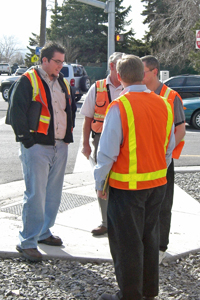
119	38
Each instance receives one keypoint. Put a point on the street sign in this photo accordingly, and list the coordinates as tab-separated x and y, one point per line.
38	50
197	39
34	58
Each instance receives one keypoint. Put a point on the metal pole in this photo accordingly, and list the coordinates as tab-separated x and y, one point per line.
109	7
111	28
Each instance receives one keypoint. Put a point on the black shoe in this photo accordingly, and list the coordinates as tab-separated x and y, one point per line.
149	298
51	241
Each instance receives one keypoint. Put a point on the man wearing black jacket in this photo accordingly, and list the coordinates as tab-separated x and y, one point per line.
43	152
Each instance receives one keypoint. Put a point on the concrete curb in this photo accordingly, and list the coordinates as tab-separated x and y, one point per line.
189	169
172	258
82	259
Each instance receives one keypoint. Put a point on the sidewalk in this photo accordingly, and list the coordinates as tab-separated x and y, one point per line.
79	214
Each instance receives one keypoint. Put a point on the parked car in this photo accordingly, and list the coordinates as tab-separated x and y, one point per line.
5	68
192	111
75	74
188	86
77	77
6	84
20	71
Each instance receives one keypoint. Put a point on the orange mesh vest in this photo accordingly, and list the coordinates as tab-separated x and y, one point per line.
146	124
101	104
170	94
39	95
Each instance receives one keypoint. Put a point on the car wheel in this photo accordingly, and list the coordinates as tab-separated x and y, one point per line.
85	83
196	120
5	92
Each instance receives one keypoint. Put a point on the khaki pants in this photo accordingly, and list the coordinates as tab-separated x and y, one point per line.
102	203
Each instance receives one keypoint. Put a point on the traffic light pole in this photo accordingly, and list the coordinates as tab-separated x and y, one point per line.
109	7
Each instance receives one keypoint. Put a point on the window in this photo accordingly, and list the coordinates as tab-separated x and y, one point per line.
193	81
78	71
65	71
175	82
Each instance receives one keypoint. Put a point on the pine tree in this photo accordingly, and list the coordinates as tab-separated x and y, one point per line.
83	30
33	43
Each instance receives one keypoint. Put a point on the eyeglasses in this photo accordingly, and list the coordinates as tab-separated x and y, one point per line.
58	62
148	71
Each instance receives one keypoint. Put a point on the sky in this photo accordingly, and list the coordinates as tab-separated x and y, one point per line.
24	18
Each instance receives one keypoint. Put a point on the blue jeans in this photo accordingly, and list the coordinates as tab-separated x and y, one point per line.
43	170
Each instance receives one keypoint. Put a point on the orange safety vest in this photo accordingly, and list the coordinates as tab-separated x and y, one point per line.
101	104
146	124
170	95
39	95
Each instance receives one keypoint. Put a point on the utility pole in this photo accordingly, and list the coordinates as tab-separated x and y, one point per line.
43	23
109	7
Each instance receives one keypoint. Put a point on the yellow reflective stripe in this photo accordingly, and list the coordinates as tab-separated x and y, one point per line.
34	84
44	119
138	177
98	116
133	177
169	122
67	85
166	95
132	141
101	87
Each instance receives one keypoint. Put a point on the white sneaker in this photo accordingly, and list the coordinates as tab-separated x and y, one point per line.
162	255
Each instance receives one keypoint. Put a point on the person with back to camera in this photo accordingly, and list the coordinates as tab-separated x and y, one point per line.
101	93
139	128
151	79
43	152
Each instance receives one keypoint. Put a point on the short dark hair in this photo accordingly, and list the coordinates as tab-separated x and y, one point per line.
49	49
151	62
130	68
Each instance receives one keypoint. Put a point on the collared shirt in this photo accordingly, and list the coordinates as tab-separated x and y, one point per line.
88	106
58	102
112	131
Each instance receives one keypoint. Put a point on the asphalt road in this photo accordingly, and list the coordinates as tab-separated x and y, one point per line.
10	167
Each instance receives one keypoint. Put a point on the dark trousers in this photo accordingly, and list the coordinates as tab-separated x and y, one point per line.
133	232
166	208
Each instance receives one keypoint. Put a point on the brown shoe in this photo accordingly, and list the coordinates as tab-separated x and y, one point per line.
99	230
30	253
51	241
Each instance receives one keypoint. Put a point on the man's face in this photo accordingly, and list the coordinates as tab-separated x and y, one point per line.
53	67
149	75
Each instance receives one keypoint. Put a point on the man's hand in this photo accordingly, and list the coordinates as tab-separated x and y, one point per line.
102	195
86	151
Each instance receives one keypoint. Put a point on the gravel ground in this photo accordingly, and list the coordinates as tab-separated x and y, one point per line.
67	280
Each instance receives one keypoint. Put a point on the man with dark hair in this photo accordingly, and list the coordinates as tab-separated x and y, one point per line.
151	79
44	149
139	128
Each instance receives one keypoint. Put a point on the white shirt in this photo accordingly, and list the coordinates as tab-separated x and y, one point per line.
88	106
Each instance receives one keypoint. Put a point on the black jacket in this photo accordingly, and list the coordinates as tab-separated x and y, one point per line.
19	105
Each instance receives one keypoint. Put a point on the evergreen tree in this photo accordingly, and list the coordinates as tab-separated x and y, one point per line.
33	43
83	30
170	29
